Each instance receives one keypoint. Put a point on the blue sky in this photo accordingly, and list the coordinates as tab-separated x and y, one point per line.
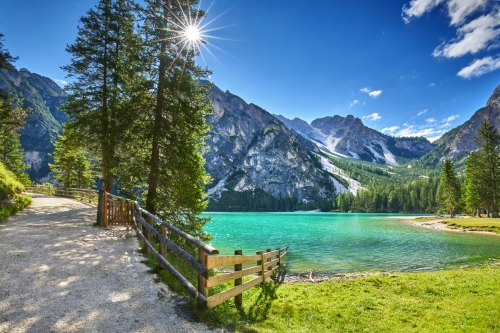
413	67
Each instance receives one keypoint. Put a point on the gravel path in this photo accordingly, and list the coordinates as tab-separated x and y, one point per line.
60	274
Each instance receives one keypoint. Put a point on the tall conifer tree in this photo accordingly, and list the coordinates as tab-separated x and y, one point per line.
107	65
486	163
449	188
175	131
71	167
471	193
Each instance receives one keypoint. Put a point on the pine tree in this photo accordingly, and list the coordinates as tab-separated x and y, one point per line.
471	194
449	186
487	164
6	59
175	132
107	67
71	167
11	155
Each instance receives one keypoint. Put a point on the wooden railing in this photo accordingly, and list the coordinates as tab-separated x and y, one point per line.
83	195
117	211
267	262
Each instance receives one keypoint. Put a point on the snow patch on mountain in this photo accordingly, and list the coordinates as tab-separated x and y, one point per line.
354	186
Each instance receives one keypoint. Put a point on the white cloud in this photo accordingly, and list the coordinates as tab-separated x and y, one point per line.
458	10
372	117
474	33
417	8
390	130
451	118
433	129
60	82
422	112
375	93
480	67
432	84
354	102
430	133
434	138
473	37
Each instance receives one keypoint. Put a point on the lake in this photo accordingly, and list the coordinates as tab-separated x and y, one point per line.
346	242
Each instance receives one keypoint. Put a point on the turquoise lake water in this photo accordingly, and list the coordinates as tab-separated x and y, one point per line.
345	242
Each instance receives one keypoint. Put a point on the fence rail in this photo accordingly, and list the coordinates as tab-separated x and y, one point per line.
117	211
84	195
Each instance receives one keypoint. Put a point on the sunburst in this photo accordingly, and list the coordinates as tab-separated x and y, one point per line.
188	32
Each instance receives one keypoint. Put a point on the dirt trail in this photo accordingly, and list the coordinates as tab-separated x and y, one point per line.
60	274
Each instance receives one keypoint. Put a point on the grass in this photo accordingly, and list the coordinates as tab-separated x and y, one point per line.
11	198
17	204
459	300
471	224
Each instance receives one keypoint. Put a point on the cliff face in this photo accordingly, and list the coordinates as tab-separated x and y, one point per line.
249	149
457	143
348	136
44	96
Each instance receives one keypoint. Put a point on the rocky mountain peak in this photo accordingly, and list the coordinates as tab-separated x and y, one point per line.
348	136
251	151
494	100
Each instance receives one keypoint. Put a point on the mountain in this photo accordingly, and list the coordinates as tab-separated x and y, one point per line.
255	160
349	137
44	96
458	142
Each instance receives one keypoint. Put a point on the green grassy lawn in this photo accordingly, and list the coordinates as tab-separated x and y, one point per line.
476	224
472	224
461	300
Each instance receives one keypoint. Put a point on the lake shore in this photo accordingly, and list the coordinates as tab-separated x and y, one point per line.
311	277
442	225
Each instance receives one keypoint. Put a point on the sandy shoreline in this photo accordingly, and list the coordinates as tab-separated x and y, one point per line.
439	224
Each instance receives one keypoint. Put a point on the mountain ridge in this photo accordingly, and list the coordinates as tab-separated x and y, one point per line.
333	134
44	96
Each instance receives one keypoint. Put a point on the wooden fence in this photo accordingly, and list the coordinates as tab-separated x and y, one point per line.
266	263
116	211
83	195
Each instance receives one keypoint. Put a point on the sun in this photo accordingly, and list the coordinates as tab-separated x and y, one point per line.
192	34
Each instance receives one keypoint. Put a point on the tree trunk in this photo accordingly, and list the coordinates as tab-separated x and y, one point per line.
155	149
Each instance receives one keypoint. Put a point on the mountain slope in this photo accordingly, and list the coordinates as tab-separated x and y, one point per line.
250	151
458	142
41	129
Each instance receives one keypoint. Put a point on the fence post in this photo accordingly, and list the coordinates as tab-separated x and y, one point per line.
100	205
105	210
269	260
238	299
163	248
278	257
148	234
202	281
259	263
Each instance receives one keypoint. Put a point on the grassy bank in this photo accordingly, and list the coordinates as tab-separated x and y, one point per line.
459	300
11	198
471	224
